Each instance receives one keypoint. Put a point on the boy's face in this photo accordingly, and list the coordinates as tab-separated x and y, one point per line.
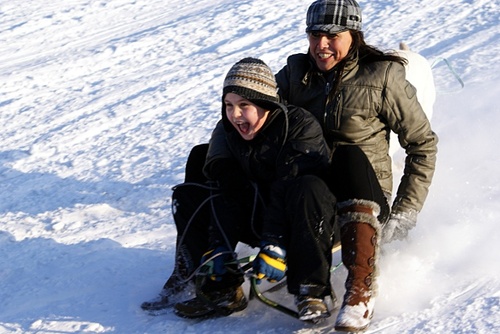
246	117
328	50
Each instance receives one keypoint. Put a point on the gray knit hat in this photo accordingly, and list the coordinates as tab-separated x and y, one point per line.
252	79
333	16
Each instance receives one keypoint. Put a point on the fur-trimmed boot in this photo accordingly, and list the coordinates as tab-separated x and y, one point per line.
359	233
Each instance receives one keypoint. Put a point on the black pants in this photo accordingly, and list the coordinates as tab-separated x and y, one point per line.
298	214
308	209
301	210
352	176
193	212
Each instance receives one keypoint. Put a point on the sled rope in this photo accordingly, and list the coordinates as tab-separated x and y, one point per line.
452	70
255	291
260	296
207	266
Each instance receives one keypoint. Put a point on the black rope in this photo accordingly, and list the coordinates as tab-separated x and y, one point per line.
198	270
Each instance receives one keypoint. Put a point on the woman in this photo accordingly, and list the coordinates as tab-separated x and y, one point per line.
359	95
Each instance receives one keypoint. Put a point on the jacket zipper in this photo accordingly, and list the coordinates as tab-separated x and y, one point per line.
325	115
335	110
338	112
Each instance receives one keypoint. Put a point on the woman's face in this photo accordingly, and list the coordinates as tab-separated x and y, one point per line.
246	117
328	50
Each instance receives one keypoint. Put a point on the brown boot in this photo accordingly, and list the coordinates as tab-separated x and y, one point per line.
359	232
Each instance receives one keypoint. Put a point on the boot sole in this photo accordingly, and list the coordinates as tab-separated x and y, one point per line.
214	313
209	312
204	315
351	329
315	317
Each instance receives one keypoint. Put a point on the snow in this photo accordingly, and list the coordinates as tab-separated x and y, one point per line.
101	102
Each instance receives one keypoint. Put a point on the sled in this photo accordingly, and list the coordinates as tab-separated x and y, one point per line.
245	264
257	293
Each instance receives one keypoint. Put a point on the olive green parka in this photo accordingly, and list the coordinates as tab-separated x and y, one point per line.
372	99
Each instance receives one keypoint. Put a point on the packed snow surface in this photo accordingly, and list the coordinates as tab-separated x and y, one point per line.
101	102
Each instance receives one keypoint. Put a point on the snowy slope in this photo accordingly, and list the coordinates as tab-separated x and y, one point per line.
100	103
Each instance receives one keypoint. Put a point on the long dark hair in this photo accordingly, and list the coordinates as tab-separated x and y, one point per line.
365	54
368	53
